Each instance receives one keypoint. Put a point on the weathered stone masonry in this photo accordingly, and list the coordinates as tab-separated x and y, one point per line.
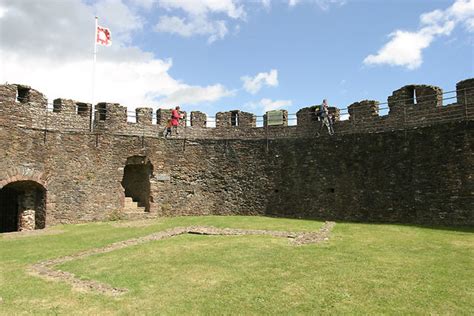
414	165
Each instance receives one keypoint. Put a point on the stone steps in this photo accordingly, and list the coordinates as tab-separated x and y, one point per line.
132	211
129	204
138	215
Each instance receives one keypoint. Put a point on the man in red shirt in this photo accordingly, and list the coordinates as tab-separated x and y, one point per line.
175	117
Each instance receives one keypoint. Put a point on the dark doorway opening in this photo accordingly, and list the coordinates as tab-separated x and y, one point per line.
136	180
22	206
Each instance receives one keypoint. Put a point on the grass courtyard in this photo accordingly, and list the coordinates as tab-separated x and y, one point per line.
361	269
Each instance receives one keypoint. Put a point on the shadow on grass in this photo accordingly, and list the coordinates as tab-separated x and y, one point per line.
464	228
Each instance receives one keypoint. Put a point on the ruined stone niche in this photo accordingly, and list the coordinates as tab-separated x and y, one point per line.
22	206
136	180
23	93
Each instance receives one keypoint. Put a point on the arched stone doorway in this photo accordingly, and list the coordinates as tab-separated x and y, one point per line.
22	206
136	180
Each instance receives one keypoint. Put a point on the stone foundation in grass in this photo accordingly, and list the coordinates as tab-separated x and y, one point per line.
45	269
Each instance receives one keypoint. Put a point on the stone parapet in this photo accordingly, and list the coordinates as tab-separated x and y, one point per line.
366	110
198	119
235	118
410	106
465	92
419	96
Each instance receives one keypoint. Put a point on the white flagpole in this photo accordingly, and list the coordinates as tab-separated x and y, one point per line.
93	69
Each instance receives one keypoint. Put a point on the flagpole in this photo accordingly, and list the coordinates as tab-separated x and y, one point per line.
93	71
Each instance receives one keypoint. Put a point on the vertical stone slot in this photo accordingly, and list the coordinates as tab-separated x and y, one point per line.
136	180
101	108
22	206
234	118
410	96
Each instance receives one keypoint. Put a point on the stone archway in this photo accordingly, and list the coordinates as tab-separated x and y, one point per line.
22	206
136	180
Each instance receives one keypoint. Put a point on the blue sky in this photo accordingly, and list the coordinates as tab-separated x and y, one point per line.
253	55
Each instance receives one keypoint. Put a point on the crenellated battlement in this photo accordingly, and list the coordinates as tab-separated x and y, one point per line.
410	106
22	94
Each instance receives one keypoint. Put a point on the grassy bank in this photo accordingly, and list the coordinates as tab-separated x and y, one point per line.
363	268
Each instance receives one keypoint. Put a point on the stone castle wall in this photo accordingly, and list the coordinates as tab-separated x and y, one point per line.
414	165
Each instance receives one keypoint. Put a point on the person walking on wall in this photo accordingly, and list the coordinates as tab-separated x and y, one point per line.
167	131
325	117
175	117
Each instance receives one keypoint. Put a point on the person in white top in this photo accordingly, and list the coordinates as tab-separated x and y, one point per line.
326	118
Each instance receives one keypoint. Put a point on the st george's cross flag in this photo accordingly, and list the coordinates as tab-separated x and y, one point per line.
103	36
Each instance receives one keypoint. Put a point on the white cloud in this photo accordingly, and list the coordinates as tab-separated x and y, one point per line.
326	4
322	4
199	17
54	56
195	94
405	48
265	105
147	4
469	24
462	11
199	25
292	3
3	11
129	83
28	25
266	3
254	84
203	7
269	105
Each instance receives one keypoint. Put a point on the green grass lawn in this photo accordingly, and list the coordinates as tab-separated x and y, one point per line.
362	269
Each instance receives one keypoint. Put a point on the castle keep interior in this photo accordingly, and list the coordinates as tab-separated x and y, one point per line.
76	163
